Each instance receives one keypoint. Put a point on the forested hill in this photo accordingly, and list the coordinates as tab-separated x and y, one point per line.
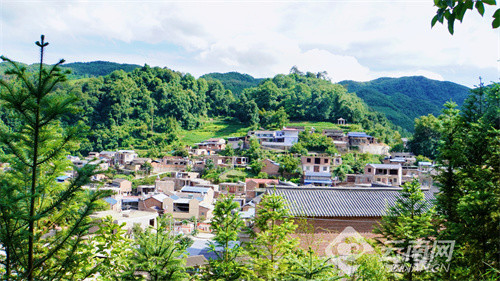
403	99
98	68
145	108
234	81
83	69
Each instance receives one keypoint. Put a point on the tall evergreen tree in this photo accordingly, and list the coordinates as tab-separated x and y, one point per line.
409	220
226	226
42	222
272	246
469	198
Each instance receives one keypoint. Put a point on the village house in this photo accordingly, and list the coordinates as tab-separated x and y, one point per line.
153	203
256	187
333	209
270	167
278	140
124	157
386	174
339	139
212	145
191	201
237	189
108	156
123	186
365	143
170	164
236	142
316	169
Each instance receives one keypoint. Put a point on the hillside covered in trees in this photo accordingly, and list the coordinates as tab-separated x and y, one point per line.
234	81
406	98
147	107
83	69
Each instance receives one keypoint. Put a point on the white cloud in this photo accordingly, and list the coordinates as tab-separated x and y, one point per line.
356	40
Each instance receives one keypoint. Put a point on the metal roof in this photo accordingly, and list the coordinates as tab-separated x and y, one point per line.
307	181
358	135
317	174
195	189
340	202
385	166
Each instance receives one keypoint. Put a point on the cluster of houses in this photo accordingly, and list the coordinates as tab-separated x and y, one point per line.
327	203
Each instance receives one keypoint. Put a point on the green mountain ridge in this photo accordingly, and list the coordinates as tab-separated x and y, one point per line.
234	81
83	69
406	98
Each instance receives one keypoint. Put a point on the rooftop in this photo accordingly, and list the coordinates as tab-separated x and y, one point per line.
340	202
358	135
385	166
195	189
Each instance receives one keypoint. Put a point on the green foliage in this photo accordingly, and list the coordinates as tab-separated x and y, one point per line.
234	81
289	165
406	98
226	226
469	181
159	252
298	148
308	266
356	162
410	219
452	10
316	142
425	140
342	170
272	246
97	68
111	245
371	267
273	120
42	222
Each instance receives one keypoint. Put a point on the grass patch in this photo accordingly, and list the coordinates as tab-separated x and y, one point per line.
214	128
235	173
320	126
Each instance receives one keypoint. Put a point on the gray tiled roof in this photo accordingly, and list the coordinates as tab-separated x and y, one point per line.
340	202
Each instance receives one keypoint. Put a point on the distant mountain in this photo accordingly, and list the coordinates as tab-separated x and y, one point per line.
83	69
234	81
97	68
403	99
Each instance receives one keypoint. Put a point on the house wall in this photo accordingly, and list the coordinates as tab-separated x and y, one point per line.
165	186
270	168
337	224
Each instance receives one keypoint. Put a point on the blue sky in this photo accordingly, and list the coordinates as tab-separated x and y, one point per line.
354	40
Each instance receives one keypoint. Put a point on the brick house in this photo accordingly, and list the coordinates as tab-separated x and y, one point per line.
388	174
333	209
255	187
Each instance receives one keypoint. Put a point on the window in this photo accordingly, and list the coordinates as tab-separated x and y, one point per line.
325	169
317	160
181	207
152	222
326	160
369	170
308	160
393	172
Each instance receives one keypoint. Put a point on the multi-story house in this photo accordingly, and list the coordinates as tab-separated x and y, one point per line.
280	140
387	174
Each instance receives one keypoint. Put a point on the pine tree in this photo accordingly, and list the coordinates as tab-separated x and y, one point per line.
226	226
158	252
410	219
272	246
42	222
